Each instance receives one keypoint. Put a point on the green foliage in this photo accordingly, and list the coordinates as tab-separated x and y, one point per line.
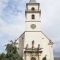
11	54
3	56
11	49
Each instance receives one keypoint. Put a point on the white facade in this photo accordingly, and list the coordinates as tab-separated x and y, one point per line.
33	38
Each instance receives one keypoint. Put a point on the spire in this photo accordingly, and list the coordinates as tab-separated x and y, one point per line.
32	1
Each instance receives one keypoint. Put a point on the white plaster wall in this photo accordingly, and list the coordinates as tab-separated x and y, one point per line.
17	41
27	56
51	52
38	38
29	17
21	45
28	26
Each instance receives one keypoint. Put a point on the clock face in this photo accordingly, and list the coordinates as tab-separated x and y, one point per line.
33	26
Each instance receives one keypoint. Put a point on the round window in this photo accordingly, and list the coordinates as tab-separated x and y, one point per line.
33	26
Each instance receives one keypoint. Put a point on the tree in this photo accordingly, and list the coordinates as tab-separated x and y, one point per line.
3	56
12	53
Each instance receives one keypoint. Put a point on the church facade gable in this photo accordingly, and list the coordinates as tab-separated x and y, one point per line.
39	38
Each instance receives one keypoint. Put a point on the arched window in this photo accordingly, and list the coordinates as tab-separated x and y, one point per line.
33	58
33	8
33	16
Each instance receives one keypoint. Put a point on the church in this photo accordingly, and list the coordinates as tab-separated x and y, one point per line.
33	44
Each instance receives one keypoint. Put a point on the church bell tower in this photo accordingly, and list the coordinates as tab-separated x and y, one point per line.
32	48
33	14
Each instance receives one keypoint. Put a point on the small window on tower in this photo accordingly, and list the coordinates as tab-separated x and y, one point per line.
33	8
33	16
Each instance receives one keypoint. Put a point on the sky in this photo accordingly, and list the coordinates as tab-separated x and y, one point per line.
12	21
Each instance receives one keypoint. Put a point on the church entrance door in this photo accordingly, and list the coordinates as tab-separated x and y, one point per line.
33	58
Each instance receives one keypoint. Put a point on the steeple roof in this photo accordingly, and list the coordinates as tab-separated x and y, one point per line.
32	1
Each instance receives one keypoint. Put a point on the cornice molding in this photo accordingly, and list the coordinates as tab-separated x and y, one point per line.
32	4
32	21
32	11
32	31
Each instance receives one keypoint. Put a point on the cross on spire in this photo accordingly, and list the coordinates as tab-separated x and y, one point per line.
32	1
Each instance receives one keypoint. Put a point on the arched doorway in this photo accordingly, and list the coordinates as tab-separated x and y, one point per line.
33	58
44	58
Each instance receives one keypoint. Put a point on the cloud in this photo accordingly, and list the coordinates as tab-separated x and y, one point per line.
10	26
2	23
12	30
3	4
13	7
10	18
14	27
